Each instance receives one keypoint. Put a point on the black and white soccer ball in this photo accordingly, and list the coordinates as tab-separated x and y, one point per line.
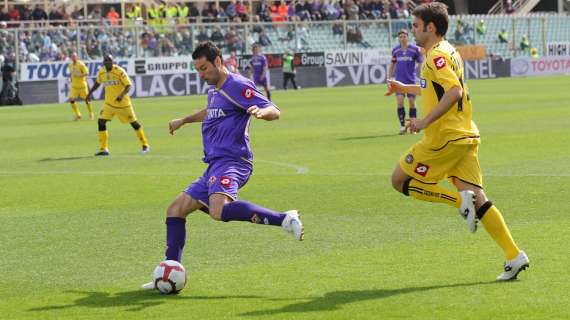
170	277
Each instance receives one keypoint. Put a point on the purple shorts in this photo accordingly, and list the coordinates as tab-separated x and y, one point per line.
222	176
409	95
258	81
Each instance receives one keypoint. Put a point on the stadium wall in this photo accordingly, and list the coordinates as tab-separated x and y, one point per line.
47	82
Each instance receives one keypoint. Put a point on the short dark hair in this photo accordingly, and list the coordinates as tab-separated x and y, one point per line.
436	13
404	31
207	49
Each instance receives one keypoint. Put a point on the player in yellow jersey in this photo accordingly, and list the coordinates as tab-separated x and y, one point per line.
117	84
78	73
450	145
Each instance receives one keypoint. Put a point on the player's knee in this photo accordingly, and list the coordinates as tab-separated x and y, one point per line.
102	124
175	211
216	213
397	182
135	125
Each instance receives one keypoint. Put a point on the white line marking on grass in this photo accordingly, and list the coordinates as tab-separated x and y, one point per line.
298	168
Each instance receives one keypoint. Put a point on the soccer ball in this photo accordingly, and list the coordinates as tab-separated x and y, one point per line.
169	277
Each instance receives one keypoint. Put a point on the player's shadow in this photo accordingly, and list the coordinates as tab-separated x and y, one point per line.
64	158
135	300
376	136
335	300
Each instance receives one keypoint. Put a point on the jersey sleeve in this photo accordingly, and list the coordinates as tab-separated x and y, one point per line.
124	77
443	74
100	76
84	70
245	95
419	56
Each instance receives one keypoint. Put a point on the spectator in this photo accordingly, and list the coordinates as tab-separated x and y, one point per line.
481	28
314	8
534	53
39	13
113	17
508	5
264	40
209	12
4	16
256	27
503	36
352	10
183	13
26	13
96	13
13	13
217	37
263	11
301	10
194	13
231	63
221	14
241	10
354	35
233	41
231	11
525	44
337	29
459	33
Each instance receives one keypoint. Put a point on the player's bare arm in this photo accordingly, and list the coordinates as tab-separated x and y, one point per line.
395	86
175	124
122	94
269	113
95	86
391	70
447	101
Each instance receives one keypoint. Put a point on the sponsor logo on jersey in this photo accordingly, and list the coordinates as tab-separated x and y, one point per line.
225	181
439	62
421	169
247	93
211	180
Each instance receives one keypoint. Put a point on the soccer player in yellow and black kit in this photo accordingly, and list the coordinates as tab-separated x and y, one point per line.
451	140
78	73
117	102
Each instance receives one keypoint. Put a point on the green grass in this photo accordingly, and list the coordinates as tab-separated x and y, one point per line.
79	234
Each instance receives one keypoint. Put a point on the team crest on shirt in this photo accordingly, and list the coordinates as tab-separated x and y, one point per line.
247	93
211	180
225	181
421	169
439	62
409	159
423	83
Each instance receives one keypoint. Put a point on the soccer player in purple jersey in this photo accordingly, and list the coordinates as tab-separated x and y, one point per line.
405	59
260	69
232	100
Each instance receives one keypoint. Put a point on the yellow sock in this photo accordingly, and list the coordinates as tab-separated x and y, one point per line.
103	140
493	221
141	136
75	109
432	193
89	108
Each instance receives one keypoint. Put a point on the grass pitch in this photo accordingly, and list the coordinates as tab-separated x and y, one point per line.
79	234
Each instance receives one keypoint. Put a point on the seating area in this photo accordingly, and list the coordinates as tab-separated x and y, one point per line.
54	43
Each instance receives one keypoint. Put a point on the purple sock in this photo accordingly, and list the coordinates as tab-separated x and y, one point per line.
412	112
175	238
246	211
402	116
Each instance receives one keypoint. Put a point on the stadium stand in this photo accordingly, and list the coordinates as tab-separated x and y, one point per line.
31	33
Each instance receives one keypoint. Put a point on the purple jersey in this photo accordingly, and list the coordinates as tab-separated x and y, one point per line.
405	60
258	63
225	128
